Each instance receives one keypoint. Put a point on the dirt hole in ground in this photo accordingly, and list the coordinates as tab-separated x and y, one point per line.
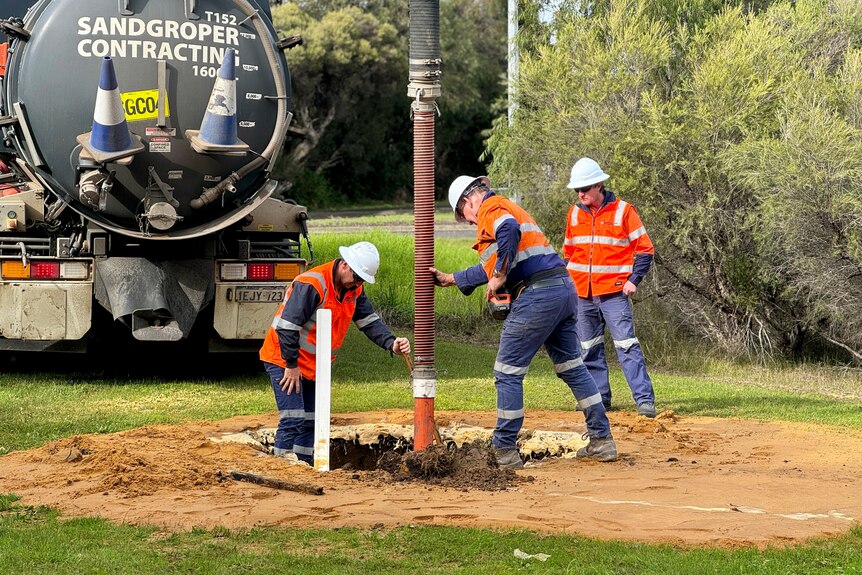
470	466
463	459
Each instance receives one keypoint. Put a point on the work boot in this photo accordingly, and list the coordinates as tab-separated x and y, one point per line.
508	458
599	448
647	410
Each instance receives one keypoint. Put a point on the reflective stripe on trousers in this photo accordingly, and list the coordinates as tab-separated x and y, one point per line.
295	431
542	316
615	311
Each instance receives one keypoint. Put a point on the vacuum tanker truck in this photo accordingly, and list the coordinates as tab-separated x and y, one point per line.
137	138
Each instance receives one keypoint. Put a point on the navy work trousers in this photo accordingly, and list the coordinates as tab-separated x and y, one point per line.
543	316
295	431
615	311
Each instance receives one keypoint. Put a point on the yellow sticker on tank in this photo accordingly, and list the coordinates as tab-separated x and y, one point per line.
142	105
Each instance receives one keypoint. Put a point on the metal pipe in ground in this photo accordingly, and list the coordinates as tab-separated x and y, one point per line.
423	89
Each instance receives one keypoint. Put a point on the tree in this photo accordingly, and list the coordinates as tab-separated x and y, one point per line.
473	48
709	130
351	137
348	81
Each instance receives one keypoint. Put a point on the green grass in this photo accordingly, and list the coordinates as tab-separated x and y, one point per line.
393	292
40	408
35	540
37	408
402	219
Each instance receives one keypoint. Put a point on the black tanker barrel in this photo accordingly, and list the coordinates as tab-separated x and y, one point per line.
157	119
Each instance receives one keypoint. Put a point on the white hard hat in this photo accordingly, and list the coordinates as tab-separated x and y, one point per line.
461	185
586	172
363	258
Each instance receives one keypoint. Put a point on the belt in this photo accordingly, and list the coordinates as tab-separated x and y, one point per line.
543	279
547	283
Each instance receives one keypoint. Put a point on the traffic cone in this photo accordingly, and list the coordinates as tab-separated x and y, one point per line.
110	139
218	128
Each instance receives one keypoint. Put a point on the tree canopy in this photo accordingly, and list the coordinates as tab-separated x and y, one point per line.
735	131
351	136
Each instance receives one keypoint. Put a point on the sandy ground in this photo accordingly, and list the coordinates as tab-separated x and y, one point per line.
679	480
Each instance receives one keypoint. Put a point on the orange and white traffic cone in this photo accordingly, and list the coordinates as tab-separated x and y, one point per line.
218	133
110	139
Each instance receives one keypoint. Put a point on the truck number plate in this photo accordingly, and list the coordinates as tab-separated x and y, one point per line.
259	294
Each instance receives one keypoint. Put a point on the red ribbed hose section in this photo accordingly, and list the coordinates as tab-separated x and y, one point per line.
423	226
423	303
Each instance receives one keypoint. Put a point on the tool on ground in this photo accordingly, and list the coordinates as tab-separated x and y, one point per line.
500	305
276	483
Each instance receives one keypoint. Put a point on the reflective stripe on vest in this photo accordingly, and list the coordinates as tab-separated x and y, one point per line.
533	242
601	249
319	278
367	320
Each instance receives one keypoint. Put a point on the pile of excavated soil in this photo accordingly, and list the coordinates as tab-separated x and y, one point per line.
682	480
470	466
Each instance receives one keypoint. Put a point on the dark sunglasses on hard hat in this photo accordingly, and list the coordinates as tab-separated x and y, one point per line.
585	189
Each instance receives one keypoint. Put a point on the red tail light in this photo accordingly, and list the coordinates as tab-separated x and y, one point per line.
261	271
45	270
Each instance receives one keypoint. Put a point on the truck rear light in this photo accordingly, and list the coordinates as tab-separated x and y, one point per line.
45	270
74	270
260	271
233	272
14	269
286	272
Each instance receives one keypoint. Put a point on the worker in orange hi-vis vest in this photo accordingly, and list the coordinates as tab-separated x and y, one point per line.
515	256
289	348
609	253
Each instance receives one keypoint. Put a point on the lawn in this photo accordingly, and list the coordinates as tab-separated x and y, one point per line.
35	408
39	407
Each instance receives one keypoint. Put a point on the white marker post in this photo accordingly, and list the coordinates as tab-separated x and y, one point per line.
322	392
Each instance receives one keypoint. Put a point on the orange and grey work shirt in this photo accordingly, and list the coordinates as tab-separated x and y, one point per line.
291	340
606	249
508	240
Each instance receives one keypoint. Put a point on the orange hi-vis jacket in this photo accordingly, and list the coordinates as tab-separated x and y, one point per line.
319	278
601	247
493	212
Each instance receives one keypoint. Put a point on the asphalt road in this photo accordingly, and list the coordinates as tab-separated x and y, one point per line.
450	229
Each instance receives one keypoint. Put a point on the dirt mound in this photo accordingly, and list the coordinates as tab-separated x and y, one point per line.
678	480
124	468
471	466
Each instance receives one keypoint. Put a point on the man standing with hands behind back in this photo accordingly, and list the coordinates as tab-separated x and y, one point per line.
609	253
